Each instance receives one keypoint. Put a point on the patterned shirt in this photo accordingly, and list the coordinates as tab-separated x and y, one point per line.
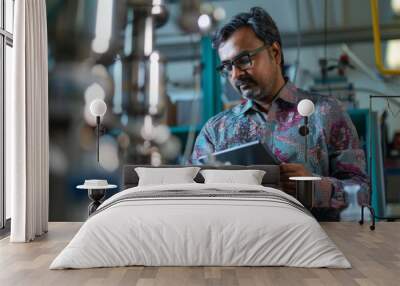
334	151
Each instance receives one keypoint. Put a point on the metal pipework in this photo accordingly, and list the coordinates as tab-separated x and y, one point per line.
198	17
377	41
144	82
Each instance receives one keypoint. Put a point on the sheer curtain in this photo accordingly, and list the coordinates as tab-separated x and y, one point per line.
27	138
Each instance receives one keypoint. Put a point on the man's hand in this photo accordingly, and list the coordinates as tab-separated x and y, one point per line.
291	170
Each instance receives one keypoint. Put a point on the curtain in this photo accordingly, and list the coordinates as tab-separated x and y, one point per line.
27	131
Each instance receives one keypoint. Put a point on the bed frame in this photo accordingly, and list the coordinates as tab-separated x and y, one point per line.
271	178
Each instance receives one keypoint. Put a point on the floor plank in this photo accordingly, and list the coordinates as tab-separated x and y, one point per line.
374	255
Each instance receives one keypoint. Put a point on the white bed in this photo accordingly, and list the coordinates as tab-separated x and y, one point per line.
251	225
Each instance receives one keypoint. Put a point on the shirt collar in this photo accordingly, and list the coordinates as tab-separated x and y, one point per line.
243	107
288	94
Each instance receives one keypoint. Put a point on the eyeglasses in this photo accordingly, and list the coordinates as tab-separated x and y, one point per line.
242	61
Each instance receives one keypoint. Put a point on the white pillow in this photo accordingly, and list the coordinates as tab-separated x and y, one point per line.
248	177
164	176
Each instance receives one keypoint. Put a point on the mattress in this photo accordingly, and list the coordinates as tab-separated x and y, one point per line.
201	225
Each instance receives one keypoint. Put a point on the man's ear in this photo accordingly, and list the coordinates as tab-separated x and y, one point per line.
276	52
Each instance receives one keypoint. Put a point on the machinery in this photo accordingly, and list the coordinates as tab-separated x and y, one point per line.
96	34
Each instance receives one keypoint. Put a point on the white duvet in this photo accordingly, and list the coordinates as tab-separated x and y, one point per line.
200	231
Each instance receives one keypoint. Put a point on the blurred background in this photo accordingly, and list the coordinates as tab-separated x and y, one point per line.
107	49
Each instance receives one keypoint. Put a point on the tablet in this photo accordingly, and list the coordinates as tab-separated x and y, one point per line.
252	153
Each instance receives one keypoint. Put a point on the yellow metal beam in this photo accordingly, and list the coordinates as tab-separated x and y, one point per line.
377	41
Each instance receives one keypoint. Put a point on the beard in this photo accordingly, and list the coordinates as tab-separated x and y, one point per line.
250	89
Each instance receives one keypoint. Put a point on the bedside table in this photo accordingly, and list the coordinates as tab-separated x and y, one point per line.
96	192
305	190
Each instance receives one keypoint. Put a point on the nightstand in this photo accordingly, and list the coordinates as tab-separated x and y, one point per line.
305	190
96	192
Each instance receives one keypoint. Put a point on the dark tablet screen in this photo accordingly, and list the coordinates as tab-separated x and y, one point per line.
252	153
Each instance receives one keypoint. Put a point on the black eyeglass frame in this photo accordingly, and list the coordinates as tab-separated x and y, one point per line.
226	72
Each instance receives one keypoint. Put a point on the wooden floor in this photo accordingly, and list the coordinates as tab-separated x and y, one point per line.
374	255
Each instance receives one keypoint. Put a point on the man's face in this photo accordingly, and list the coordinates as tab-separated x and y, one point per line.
259	81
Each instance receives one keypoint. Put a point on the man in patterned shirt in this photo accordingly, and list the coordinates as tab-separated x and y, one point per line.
251	56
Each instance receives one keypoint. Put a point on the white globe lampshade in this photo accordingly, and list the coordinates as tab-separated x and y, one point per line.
305	107
98	107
